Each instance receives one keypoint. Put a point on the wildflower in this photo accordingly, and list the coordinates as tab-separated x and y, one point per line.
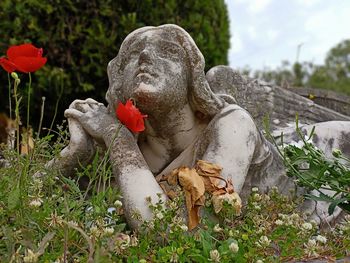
108	230
217	228
306	226
23	58
234	247
279	222
30	257
257	197
311	248
95	231
130	116
264	241
160	215
36	202
321	239
255	189
214	255
55	220
259	261
184	228
118	203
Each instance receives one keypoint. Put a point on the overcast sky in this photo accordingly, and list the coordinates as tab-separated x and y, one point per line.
265	32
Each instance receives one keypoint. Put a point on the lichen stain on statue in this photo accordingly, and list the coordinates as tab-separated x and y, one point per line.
191	117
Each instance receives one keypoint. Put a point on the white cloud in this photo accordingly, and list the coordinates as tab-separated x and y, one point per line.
236	43
307	3
272	34
258	6
251	31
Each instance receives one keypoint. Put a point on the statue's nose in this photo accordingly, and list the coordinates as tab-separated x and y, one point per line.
145	56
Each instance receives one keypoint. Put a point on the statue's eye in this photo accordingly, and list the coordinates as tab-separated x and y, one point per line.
133	53
169	51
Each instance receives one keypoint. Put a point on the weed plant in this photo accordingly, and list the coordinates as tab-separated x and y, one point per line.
50	218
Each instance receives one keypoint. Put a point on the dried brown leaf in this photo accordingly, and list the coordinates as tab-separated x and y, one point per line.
194	189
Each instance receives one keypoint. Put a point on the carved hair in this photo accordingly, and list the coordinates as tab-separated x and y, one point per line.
202	99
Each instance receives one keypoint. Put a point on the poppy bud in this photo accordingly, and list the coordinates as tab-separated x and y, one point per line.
14	75
17	81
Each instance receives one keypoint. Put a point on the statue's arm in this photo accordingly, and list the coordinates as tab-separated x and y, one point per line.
135	180
234	138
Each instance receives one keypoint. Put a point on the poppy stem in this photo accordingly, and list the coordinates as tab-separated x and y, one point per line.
10	100
28	105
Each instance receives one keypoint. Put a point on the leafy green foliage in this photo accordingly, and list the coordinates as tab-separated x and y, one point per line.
79	38
52	218
315	172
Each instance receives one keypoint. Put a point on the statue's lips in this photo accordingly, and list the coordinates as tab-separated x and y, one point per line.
144	72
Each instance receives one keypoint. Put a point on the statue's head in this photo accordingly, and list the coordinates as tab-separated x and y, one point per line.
161	66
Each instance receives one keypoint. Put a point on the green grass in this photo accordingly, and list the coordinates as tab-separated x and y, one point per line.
50	219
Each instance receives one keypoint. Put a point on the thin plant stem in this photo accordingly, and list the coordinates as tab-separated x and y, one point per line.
28	103
10	100
17	102
41	116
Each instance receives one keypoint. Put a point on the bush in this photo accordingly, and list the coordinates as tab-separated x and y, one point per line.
80	37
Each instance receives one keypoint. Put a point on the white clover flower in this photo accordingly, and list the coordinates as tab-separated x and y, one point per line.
261	230
306	226
294	216
311	248
279	222
257	197
255	189
264	241
30	257
217	228
36	202
118	203
234	247
108	230
214	256
160	215
259	261
94	231
321	239
184	228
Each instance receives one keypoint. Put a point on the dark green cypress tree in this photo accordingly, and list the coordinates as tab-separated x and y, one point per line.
80	37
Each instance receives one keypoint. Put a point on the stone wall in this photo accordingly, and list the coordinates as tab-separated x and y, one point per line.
330	99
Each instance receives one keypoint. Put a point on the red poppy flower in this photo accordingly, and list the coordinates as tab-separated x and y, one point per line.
130	116
23	58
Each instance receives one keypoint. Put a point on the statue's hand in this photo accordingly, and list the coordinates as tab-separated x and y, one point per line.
92	116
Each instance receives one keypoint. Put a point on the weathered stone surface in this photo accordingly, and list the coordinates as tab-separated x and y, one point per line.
333	100
260	99
190	117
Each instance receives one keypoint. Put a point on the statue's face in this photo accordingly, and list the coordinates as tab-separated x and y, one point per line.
154	73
